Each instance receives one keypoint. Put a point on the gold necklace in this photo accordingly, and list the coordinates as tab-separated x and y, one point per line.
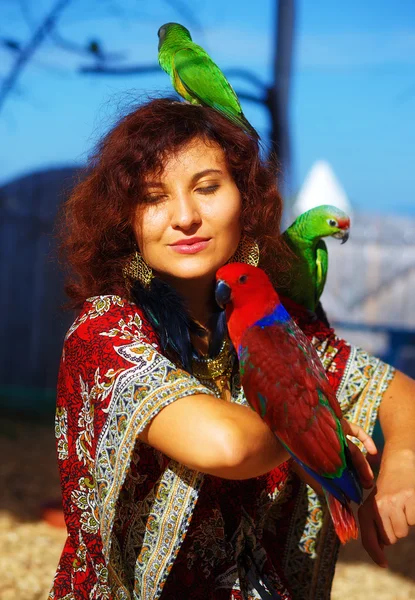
217	369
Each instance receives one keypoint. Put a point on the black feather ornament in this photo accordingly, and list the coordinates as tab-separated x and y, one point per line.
167	312
217	325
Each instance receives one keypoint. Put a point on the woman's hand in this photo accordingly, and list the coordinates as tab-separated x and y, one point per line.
359	459
389	510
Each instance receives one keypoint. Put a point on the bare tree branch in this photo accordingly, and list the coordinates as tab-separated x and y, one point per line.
245	74
251	98
69	45
94	48
27	52
127	70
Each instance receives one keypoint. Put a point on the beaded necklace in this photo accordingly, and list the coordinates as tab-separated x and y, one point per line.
217	369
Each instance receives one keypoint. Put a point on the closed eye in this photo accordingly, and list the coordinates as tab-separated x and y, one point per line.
154	198
210	189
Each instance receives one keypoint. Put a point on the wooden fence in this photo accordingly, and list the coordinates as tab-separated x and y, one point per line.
32	323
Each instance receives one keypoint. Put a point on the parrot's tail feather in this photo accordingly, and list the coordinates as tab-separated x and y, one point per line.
343	519
246	125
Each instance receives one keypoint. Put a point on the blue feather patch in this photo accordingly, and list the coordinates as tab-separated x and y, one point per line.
278	315
346	487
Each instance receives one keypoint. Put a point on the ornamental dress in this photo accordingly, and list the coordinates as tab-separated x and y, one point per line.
142	526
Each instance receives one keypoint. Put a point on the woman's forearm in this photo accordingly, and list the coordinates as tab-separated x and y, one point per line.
216	437
389	511
397	415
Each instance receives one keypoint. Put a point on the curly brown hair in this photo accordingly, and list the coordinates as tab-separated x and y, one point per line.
96	231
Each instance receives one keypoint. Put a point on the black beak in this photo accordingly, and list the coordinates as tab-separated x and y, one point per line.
345	236
342	234
222	293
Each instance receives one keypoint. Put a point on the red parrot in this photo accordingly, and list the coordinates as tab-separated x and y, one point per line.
285	383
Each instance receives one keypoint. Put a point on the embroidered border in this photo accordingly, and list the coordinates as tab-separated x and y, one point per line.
139	394
169	520
359	400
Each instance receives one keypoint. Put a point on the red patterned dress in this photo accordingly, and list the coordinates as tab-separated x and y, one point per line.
142	526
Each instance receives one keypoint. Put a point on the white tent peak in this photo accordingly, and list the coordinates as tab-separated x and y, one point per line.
321	186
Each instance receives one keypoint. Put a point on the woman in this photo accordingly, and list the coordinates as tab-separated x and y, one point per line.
172	486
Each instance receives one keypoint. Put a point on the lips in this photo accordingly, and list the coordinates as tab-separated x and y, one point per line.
190	245
189	241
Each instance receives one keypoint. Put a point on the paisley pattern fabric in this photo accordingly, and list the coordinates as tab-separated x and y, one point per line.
140	525
112	382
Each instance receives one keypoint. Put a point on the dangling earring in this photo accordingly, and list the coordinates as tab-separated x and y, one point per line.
138	269
246	252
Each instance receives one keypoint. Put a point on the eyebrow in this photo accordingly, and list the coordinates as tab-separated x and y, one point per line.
195	177
201	174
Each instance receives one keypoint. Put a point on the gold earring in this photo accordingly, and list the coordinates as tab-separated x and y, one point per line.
138	269
247	252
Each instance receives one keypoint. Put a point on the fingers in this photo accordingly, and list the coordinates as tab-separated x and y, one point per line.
370	538
392	511
359	433
359	460
389	515
362	466
399	524
389	510
385	530
410	507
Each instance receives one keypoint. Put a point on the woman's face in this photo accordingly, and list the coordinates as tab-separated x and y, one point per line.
189	225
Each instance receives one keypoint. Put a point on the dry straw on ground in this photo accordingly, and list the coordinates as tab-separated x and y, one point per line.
30	549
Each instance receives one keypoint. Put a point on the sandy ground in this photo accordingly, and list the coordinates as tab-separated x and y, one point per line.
358	577
30	548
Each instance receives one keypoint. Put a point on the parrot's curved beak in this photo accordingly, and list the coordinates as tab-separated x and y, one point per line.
342	235
223	293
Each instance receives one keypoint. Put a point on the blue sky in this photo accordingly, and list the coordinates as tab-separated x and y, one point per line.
352	97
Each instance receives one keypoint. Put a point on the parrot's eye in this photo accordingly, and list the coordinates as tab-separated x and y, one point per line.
332	223
243	278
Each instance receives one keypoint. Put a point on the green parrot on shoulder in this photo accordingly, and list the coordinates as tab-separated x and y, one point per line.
196	77
304	237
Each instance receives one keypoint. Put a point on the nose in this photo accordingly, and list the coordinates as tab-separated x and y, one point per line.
185	211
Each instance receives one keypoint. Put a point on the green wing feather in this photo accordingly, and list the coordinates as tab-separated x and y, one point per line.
302	285
204	81
322	264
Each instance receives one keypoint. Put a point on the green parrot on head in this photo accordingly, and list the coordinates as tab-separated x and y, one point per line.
304	237
196	77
